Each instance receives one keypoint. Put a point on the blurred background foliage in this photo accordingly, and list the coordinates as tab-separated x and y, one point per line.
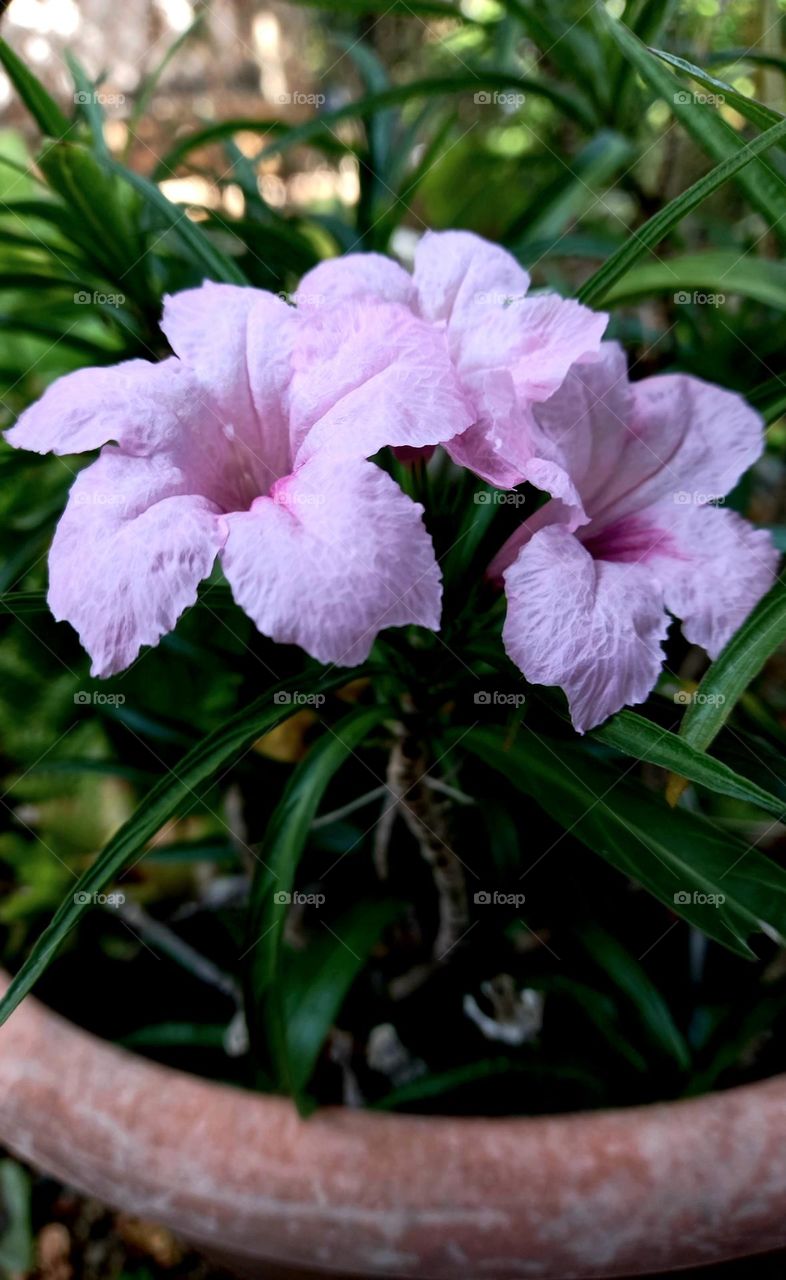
245	141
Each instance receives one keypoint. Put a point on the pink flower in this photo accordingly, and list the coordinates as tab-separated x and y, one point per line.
251	444
588	590
509	350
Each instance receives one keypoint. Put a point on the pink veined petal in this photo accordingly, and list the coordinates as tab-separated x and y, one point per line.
715	568
458	272
138	404
564	509
584	425
593	628
536	339
239	343
128	555
355	275
335	554
370	375
700	439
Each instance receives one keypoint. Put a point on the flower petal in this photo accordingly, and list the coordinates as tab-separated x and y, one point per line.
138	404
536	339
701	438
716	567
238	342
355	275
369	375
333	555
594	628
457	272
128	555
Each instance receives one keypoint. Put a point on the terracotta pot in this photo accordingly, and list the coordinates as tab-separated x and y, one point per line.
602	1194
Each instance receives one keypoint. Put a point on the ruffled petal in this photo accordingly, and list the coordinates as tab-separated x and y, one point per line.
714	567
700	439
593	628
128	555
335	554
536	339
372	374
458	272
138	404
238	343
355	275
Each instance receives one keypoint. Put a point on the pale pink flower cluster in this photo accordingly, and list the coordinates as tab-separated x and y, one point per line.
252	443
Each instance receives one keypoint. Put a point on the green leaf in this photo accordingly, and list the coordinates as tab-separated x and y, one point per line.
752	110
764	186
41	106
573	192
731	890
197	767
108	228
317	978
87	103
717	271
147	86
645	999
283	846
321	126
199	249
176	1035
16	1238
21	603
657	227
770	400
732	671
640	738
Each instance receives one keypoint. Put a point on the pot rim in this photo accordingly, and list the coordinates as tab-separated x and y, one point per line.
585	1194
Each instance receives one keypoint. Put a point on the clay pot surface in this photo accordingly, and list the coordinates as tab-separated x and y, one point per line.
611	1193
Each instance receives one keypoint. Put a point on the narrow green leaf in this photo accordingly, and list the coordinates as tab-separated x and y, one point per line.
764	187
709	878
87	103
178	787
595	289
646	1001
717	272
274	880
317	978
322	125
640	738
199	248
16	1235
41	106
732	671
752	110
